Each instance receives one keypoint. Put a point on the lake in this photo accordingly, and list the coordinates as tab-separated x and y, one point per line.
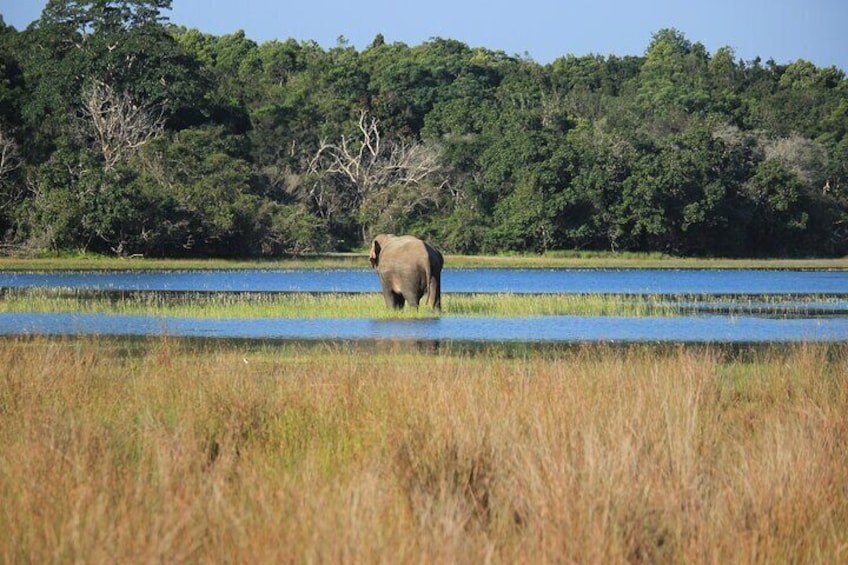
825	321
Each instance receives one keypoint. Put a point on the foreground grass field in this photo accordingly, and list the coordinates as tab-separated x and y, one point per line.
166	450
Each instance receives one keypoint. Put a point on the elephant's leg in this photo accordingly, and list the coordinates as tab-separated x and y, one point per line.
413	299
390	296
434	294
399	300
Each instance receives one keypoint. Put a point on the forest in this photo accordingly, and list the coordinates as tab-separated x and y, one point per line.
123	134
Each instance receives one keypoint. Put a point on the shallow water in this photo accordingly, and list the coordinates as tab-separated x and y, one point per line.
568	281
725	329
738	295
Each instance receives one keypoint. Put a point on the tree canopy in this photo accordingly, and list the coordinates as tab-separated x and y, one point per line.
121	133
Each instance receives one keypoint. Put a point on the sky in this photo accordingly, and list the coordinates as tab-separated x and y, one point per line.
783	30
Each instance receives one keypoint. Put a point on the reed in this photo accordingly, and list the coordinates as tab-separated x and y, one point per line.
370	305
168	450
339	305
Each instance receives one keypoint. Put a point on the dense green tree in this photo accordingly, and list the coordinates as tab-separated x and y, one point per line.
121	44
54	216
777	219
11	76
122	134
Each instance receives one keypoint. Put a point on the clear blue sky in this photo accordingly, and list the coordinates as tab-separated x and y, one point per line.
783	30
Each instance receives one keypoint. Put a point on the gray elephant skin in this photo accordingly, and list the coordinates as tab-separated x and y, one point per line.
409	269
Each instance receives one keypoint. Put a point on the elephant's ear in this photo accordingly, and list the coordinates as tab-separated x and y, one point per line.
374	256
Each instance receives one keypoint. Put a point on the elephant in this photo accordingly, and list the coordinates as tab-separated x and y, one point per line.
409	268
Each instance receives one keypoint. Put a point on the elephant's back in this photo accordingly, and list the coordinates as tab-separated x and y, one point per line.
405	244
409	251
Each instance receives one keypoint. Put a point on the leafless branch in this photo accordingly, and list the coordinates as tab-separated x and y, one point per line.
121	126
9	156
370	163
381	178
10	160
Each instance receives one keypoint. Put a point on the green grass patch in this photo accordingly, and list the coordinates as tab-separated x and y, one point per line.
557	259
371	305
320	305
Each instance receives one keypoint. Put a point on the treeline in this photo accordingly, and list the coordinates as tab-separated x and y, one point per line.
121	133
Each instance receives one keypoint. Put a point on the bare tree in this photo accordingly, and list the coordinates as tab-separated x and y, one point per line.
121	126
384	179
805	157
10	160
9	156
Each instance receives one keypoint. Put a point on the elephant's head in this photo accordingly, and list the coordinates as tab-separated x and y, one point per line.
377	246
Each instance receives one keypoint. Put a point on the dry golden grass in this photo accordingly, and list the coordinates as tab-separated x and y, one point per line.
163	450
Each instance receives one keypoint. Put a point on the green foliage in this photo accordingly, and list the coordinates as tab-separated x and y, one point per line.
677	151
778	218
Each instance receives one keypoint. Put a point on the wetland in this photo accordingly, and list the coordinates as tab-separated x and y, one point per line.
480	304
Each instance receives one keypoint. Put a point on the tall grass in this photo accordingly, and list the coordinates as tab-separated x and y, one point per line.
319	305
117	451
370	305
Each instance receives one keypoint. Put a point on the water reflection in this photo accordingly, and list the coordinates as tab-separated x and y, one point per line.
532	329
